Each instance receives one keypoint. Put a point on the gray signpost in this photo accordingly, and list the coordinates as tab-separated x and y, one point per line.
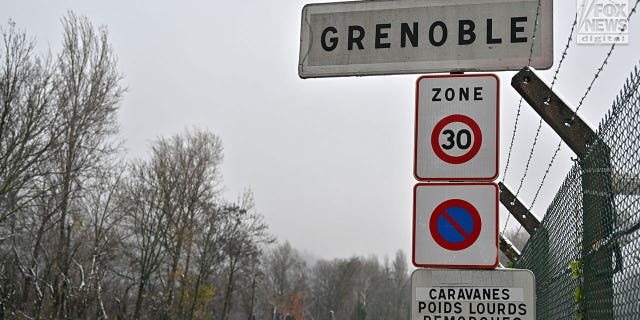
456	136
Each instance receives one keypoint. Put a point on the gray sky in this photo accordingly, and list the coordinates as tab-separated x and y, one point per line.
330	161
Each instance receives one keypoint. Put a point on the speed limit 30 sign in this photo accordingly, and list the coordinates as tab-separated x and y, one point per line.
456	132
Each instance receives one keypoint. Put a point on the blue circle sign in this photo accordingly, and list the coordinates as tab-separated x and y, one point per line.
455	224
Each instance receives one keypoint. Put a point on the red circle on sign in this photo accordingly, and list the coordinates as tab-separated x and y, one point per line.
469	237
477	139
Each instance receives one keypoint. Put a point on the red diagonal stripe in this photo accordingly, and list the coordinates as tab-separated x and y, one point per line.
455	224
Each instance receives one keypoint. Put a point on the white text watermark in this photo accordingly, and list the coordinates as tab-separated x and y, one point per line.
603	21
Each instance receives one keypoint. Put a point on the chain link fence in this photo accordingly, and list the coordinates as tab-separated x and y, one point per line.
586	252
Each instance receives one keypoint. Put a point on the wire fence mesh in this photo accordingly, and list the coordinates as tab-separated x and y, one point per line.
586	252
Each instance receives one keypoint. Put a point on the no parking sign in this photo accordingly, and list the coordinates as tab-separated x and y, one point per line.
456	131
455	225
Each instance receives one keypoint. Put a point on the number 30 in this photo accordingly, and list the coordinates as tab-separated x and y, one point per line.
458	139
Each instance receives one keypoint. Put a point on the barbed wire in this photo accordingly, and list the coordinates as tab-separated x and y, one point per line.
515	125
604	62
544	177
553	82
633	10
581	102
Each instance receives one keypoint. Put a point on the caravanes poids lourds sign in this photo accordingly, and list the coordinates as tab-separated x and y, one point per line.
449	294
414	36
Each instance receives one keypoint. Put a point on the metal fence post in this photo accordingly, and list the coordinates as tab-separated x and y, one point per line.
597	221
518	210
597	226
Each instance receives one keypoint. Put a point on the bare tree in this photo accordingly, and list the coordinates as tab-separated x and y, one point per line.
359	288
171	195
88	95
334	287
248	234
27	120
193	160
146	223
100	229
285	279
27	135
209	244
401	286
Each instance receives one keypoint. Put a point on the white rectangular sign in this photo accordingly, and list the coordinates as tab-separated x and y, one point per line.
457	127
442	294
455	225
415	36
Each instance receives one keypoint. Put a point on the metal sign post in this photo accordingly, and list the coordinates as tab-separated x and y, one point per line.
455	224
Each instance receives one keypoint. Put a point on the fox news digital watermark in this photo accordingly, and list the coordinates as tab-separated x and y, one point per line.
603	21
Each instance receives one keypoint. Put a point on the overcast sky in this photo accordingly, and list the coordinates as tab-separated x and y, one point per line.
330	161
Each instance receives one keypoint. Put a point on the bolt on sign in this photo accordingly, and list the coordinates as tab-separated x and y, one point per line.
359	38
448	294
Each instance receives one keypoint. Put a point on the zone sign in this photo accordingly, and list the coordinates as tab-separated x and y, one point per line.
456	131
